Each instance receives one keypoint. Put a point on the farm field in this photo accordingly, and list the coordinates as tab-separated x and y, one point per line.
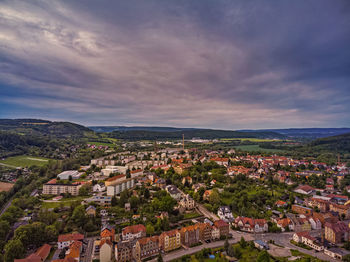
254	148
101	144
251	139
4	187
24	161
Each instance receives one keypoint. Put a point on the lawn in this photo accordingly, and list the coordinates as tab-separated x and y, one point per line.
191	215
24	161
63	201
254	148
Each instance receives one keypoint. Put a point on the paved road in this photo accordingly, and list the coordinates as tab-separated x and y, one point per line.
282	239
6	206
89	249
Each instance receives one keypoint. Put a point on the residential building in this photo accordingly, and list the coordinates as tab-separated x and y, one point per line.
133	232
91	211
106	250
146	247
225	214
113	169
39	256
223	227
123	251
206	194
302	210
205	231
285	223
102	200
187	202
120	186
173	191
74	250
170	240
336	233
342	210
190	235
304	189
108	232
336	253
215	233
67	239
305	238
251	225
261	245
99	187
53	187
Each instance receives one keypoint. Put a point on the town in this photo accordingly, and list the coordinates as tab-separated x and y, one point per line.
172	202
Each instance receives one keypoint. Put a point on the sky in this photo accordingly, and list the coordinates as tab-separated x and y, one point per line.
224	64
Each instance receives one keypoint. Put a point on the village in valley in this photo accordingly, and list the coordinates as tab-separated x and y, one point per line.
178	203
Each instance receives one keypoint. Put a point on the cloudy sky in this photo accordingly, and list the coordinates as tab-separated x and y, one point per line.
186	63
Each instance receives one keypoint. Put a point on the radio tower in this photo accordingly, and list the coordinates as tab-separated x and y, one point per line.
183	142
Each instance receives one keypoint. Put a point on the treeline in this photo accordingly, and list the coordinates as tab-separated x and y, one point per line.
202	133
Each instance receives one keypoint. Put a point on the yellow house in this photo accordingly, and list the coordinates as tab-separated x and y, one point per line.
170	240
90	211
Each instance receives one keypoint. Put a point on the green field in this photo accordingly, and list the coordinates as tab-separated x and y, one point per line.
67	201
255	148
251	139
24	161
101	144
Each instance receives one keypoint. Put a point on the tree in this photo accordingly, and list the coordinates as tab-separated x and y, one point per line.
226	245
243	243
13	249
263	257
4	228
114	201
70	178
230	251
214	198
51	233
160	258
84	190
134	201
149	229
79	216
146	194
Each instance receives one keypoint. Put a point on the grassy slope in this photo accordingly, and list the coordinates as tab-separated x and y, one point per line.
25	161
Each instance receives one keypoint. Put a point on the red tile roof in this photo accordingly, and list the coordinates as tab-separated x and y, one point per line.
70	237
134	229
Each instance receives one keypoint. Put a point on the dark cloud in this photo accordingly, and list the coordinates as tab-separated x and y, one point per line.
220	64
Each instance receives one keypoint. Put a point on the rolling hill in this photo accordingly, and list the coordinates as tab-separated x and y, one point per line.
38	127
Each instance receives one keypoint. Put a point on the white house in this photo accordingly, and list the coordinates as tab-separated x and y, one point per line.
315	223
100	187
215	233
225	214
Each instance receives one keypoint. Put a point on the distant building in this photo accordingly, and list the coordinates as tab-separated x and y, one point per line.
74	174
173	191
